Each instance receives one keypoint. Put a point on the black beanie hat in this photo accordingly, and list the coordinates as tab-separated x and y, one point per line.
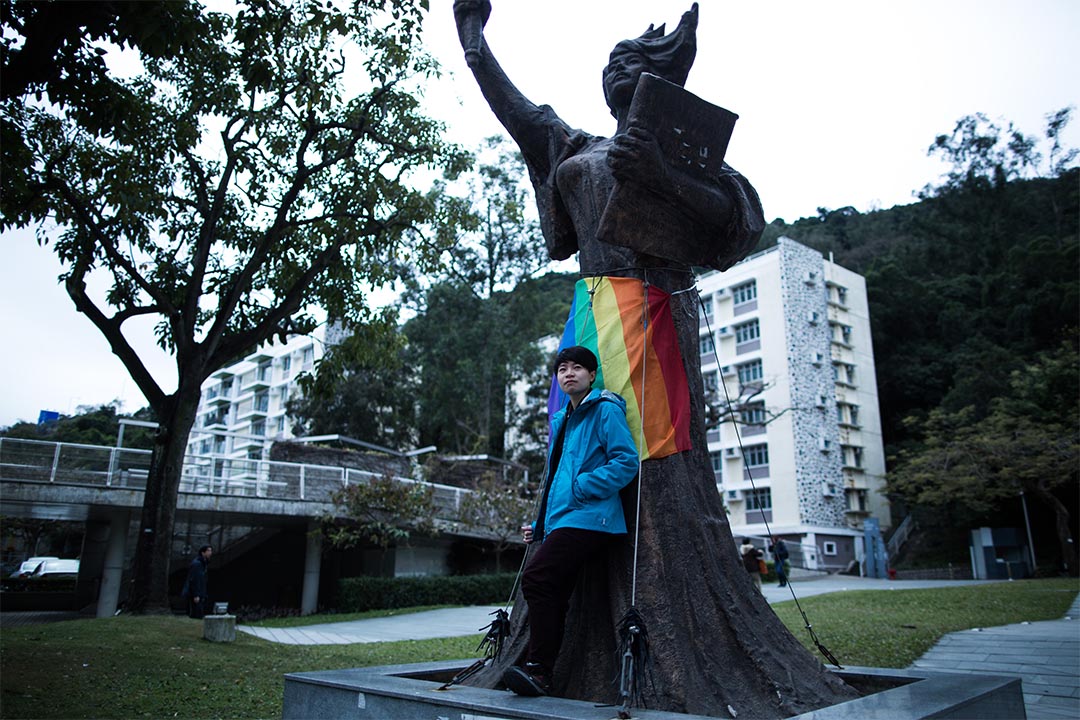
583	356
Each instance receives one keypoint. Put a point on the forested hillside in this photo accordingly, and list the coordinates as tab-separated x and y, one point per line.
964	288
974	297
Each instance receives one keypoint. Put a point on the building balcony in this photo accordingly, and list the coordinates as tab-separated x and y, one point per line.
251	412
241	443
259	382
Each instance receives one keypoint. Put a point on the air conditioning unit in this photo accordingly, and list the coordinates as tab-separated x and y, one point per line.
822	402
824	444
812	317
734	495
817	358
722	293
810	277
728	370
725	332
828	489
732	453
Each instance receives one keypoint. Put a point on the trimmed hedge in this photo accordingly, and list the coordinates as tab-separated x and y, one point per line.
382	593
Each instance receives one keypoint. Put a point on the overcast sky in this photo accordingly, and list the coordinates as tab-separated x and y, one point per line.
837	104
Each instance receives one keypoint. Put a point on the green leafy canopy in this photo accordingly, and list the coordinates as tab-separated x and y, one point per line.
256	165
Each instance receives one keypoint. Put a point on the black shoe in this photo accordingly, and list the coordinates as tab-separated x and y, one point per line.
530	681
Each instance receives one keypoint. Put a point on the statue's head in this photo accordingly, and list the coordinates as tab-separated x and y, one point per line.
668	56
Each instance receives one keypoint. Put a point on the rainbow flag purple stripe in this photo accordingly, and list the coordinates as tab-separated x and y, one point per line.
608	316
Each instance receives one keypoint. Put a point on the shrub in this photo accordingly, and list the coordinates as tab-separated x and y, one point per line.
359	594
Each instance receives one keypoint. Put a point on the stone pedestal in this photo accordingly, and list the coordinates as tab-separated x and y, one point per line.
219	628
404	692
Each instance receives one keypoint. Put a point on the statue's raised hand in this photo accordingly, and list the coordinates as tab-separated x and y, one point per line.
471	16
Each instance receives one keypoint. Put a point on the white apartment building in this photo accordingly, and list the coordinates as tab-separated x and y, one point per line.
243	406
805	458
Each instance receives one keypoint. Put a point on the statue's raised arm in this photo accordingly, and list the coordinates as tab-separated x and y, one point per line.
526	122
627	201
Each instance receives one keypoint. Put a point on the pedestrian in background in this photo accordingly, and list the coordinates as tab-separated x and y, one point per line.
195	587
750	557
780	556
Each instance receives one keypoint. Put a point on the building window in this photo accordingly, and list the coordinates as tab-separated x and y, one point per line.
744	293
204	447
262	401
707	307
706	346
750	372
281	425
263	373
219	444
828	547
841	295
717	459
853	456
309	356
756	456
254	454
853	412
258	428
283	396
839	412
226	387
747	332
286	363
759	499
754	414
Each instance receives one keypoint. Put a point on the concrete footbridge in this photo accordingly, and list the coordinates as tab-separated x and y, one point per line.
104	487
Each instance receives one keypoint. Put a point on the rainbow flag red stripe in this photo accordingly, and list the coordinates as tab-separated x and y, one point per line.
608	316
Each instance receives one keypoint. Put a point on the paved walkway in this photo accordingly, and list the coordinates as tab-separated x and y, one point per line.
1045	655
454	622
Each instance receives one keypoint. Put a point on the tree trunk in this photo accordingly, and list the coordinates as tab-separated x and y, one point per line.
714	641
1066	544
153	551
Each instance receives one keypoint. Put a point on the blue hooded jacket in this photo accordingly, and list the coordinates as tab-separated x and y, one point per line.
599	458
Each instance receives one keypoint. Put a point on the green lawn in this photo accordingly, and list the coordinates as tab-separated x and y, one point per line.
160	667
893	628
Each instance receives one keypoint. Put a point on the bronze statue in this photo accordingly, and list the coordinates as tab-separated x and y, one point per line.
716	645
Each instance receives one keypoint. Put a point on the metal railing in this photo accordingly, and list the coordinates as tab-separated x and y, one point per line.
900	535
38	461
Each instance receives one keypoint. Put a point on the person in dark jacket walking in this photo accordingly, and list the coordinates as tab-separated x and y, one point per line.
592	457
780	556
195	587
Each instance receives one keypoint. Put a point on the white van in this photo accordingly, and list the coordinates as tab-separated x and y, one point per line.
30	565
56	566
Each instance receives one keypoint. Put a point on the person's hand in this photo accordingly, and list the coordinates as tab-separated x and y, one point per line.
196	599
636	155
527	533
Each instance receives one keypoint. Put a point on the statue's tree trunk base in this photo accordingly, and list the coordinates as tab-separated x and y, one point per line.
715	644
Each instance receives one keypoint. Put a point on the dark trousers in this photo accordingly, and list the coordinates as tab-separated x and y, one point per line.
548	582
197	609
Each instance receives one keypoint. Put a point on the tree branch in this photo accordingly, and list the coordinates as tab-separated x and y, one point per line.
110	328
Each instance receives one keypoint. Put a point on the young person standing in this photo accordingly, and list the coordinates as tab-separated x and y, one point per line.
591	458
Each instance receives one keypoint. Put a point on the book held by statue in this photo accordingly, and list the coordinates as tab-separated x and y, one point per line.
693	135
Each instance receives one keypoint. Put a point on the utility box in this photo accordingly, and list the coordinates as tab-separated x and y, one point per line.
219	628
999	554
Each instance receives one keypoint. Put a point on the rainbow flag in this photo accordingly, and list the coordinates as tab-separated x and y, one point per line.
608	316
